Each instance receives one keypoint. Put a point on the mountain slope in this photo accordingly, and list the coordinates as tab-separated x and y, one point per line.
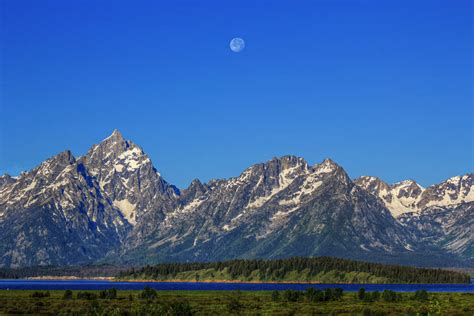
442	214
408	196
449	227
277	209
399	198
126	175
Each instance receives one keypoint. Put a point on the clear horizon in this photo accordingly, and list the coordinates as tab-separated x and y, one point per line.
383	89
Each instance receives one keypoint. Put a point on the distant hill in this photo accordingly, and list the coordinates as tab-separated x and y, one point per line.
317	270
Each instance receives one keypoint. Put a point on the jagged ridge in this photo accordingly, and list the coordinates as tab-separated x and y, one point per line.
112	203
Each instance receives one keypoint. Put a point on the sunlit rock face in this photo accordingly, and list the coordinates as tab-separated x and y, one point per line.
127	176
56	214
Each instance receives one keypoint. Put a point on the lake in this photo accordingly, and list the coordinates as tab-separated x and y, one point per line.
104	284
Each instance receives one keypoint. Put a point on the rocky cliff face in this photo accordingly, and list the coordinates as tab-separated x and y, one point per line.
399	198
112	204
126	175
6	180
449	227
441	214
408	196
280	208
57	214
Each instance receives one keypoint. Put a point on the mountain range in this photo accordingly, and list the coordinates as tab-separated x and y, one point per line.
112	205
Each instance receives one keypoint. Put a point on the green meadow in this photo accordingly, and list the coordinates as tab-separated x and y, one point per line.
311	302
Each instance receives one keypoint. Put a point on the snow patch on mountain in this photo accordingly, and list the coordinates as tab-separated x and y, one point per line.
285	178
127	209
182	210
311	183
132	158
410	197
113	199
191	206
327	166
453	191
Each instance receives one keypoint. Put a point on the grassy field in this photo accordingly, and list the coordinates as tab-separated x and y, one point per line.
226	303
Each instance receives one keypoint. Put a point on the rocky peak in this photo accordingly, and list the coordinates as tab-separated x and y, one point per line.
196	186
116	134
114	154
56	214
195	189
372	184
278	165
409	197
127	176
48	170
115	138
31	187
329	169
6	179
62	159
455	190
278	172
407	189
110	147
290	161
327	166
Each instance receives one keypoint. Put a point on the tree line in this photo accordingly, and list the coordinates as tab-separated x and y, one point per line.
78	271
277	269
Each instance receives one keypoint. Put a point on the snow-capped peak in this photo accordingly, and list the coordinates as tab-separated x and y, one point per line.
408	196
327	166
455	190
131	159
6	179
116	135
408	184
399	198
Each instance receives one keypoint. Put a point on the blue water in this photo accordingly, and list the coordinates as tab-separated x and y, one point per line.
99	285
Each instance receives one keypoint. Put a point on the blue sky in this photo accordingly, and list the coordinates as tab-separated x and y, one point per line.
382	87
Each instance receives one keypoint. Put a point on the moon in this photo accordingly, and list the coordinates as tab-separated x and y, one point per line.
237	44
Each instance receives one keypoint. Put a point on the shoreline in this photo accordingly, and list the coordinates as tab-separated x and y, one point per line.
224	281
113	279
67	278
271	282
